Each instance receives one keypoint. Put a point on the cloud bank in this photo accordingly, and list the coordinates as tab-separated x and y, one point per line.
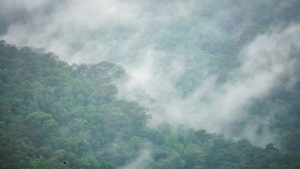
264	62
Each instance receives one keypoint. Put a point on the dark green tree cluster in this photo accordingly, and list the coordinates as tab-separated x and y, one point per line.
51	113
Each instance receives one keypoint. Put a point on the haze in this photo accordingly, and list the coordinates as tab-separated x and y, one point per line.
159	43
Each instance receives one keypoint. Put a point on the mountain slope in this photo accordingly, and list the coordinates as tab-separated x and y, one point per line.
58	116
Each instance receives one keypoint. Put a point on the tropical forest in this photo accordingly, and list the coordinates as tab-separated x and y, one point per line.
183	84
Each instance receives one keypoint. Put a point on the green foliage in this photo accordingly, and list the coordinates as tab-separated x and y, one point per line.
58	116
194	156
51	114
102	73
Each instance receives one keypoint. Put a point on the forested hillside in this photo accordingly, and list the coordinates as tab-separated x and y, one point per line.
54	115
156	84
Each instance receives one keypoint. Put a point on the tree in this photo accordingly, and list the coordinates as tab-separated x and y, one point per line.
40	126
193	156
106	93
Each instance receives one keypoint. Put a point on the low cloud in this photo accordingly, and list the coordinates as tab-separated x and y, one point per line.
132	33
140	162
264	62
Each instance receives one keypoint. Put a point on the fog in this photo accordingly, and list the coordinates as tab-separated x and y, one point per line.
132	33
263	63
140	161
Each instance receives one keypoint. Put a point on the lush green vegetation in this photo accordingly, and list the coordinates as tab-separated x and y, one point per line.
58	116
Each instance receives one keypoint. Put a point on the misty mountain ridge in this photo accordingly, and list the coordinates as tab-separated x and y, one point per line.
63	116
183	84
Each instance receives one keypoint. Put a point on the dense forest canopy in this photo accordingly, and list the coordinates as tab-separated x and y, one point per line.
150	84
